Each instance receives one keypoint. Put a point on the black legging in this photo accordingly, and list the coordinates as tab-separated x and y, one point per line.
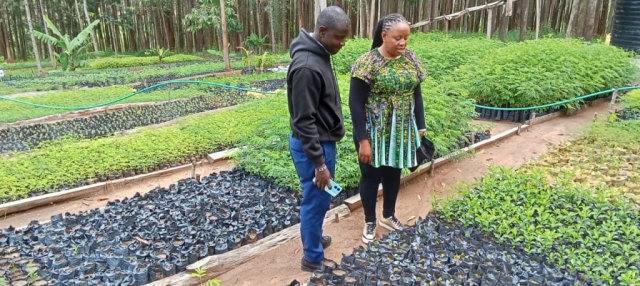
370	179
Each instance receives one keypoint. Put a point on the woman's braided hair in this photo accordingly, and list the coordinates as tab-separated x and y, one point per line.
384	25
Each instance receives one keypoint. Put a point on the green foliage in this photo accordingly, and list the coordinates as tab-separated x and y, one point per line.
11	112
268	153
631	100
207	14
244	80
119	76
110	77
22	65
73	50
199	273
349	53
613	133
440	53
563	222
160	52
255	43
543	71
265	61
603	159
129	61
69	161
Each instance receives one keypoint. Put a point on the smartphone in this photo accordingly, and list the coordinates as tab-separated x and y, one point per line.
335	188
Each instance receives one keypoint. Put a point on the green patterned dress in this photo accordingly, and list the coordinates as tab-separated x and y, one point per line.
390	119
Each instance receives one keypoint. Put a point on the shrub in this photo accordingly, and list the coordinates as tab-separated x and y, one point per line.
129	61
562	222
544	71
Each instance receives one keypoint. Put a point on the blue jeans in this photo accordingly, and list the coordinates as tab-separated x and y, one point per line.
315	202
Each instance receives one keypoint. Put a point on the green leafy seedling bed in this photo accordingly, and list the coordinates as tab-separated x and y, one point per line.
561	221
107	123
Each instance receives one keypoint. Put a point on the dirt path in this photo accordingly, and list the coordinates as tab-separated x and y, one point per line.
281	265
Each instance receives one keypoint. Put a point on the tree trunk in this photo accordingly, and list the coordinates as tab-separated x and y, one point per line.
427	15
93	33
582	19
525	17
370	12
272	28
171	41
489	22
319	6
33	39
590	19
78	17
46	31
140	20
612	12
434	13
538	10
602	24
259	21
360	11
225	36
299	10
597	17
573	19
285	26
504	22
4	29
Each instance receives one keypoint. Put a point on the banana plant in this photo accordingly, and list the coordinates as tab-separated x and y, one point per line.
160	52
72	49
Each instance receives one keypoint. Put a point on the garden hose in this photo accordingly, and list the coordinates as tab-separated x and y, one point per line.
133	94
271	92
555	103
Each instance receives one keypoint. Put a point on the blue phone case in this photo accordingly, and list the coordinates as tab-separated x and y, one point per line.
335	188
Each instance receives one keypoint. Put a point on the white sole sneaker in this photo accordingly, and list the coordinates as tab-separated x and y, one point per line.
386	226
365	240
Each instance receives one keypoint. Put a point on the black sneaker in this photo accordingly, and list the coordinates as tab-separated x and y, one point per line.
310	267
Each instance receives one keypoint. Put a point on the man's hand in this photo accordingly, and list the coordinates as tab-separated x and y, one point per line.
364	151
323	178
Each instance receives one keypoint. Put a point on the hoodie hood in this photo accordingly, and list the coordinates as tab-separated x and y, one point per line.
305	43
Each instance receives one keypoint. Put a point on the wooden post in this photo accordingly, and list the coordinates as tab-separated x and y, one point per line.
613	99
489	22
519	129
533	116
446	26
432	168
193	169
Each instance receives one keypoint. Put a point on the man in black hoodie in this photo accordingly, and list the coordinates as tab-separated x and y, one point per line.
317	124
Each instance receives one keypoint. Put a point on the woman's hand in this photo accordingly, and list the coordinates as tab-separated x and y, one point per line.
364	151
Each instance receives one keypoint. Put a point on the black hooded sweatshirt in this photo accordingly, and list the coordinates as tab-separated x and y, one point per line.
313	97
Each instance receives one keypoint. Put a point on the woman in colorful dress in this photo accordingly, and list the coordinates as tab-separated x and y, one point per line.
388	118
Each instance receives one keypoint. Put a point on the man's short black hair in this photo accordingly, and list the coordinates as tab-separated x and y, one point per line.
332	17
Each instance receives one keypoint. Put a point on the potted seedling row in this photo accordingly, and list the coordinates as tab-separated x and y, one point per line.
148	237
